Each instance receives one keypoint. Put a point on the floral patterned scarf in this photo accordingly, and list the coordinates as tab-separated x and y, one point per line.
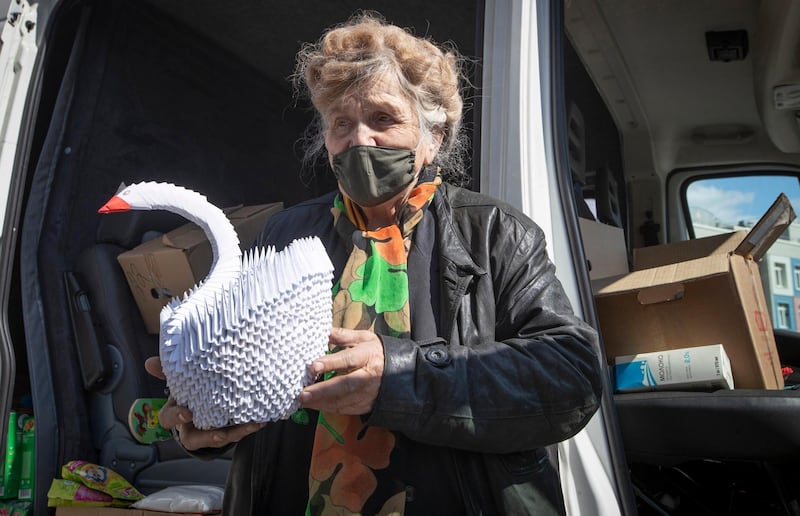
372	294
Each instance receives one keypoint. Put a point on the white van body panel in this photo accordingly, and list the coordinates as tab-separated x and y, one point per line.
519	169
17	56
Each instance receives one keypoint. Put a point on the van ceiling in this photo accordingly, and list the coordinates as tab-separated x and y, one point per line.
674	106
267	35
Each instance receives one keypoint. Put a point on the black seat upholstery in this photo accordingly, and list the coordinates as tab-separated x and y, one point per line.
113	344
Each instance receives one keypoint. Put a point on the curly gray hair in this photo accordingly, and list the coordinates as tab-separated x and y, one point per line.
354	55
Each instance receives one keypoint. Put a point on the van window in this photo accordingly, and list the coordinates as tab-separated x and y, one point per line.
723	204
595	154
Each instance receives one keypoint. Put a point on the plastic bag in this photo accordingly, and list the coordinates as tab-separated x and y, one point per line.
101	479
65	493
191	498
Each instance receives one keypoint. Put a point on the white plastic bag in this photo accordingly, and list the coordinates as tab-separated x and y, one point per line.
189	498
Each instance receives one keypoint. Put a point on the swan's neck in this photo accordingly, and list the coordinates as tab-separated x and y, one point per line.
213	221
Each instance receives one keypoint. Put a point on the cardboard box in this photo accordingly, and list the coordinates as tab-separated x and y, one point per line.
168	266
698	292
112	511
699	368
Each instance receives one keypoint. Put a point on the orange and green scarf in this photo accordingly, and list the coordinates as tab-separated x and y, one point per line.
372	294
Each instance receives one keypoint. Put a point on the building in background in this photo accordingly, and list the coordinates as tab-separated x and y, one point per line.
780	272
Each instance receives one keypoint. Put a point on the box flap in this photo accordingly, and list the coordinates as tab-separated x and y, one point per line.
753	244
658	255
768	229
605	249
230	209
248	221
665	275
243	212
170	265
184	237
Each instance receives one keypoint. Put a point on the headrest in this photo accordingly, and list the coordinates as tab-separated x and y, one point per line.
126	229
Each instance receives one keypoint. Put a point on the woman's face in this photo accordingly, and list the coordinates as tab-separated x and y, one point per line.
382	117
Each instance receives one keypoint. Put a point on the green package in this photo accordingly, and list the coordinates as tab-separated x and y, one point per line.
9	484
16	508
27	459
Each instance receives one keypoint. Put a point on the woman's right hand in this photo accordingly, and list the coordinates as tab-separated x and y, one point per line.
180	418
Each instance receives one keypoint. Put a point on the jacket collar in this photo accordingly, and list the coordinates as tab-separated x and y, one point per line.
456	266
453	254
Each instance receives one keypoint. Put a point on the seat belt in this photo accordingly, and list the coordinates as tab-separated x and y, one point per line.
93	356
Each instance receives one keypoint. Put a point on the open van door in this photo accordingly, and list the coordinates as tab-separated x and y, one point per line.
523	160
17	55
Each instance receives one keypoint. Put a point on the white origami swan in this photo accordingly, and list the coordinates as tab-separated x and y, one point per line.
236	347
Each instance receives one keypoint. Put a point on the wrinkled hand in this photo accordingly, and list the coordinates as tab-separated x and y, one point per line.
173	416
359	370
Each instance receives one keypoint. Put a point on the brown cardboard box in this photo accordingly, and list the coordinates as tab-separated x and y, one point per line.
695	293
172	264
112	511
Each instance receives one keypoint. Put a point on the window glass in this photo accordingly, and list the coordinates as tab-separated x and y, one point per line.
732	203
783	315
780	275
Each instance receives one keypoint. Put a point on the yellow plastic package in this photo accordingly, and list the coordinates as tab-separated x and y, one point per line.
66	493
100	479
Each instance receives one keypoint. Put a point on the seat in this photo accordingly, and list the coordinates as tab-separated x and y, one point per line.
112	345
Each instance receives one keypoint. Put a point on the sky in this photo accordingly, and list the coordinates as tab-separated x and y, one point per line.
733	199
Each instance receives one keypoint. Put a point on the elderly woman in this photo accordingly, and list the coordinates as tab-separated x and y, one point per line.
457	358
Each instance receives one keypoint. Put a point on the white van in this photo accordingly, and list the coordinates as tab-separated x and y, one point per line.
615	124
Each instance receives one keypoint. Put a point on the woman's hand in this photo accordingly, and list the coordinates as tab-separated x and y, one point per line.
359	370
180	418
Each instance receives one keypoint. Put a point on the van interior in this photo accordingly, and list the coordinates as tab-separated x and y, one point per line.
659	95
193	93
651	96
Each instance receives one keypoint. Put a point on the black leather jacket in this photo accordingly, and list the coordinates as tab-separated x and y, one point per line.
513	372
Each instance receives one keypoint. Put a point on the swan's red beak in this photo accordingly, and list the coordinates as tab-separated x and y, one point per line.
114	204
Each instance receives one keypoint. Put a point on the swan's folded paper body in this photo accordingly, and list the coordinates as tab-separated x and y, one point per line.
169	265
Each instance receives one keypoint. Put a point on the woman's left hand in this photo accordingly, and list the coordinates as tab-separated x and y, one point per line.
359	369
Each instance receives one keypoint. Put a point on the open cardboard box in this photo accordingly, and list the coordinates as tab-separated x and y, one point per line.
168	266
695	293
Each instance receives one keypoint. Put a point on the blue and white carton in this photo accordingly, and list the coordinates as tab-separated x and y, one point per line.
695	368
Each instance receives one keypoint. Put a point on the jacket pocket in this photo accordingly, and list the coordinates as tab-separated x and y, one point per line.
524	483
526	463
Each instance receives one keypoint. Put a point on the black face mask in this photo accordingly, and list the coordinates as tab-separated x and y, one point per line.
371	175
